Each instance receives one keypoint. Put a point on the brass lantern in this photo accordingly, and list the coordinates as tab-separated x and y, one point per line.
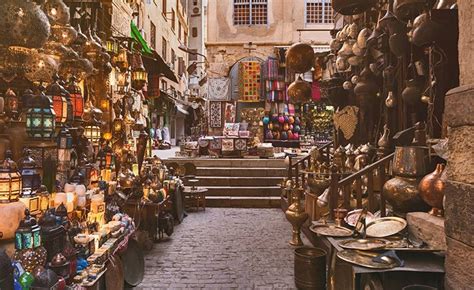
30	175
300	57
10	180
112	46
121	59
299	91
11	103
40	117
77	99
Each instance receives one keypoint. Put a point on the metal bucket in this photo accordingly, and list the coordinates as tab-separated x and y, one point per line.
310	268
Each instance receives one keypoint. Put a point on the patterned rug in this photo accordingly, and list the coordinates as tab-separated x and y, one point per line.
215	114
249	81
218	89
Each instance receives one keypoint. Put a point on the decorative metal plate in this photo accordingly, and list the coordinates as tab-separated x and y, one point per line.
363	244
330	230
384	227
352	217
365	259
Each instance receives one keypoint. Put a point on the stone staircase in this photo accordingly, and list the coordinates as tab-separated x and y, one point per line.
239	182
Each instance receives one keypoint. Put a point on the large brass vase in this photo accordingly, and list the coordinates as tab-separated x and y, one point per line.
296	215
402	193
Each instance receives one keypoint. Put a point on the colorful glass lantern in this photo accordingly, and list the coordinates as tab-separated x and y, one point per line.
10	180
30	175
105	157
11	103
112	46
77	99
27	236
61	101
92	132
40	117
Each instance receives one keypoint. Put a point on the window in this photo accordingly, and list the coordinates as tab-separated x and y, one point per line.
173	58
153	35
164	49
195	2
319	12
250	12
164	85
194	32
179	30
173	19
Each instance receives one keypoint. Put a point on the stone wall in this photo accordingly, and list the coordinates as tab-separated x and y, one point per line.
459	206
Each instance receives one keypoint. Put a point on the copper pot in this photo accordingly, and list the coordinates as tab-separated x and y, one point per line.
299	57
426	33
352	7
410	161
432	188
402	193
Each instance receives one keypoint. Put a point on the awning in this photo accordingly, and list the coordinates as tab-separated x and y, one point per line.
139	38
181	109
154	64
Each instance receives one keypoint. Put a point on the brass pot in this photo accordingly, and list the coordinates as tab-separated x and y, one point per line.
432	188
402	193
299	57
316	185
296	215
412	93
299	91
410	161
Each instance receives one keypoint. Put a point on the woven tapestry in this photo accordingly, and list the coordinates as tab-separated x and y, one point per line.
249	81
215	114
218	89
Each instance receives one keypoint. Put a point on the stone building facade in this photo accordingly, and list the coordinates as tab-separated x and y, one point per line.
459	207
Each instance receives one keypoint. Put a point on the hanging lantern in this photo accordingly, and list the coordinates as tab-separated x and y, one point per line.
40	117
118	125
121	59
93	132
10	180
77	99
11	103
61	101
64	150
30	176
105	157
140	75
112	46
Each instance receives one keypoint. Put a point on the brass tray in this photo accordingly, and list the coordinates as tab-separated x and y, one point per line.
364	259
363	244
352	217
330	230
384	227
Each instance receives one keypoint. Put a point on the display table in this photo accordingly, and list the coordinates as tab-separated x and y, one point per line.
195	197
423	268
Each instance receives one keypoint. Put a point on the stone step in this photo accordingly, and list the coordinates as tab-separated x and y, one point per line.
243	201
237	181
242	171
228	162
253	191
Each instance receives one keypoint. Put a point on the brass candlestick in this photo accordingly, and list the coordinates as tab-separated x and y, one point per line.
296	216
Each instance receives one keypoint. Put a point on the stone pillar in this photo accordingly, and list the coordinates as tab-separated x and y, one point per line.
459	206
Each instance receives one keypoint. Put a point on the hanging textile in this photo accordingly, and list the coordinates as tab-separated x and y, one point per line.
218	89
274	80
315	91
249	81
215	114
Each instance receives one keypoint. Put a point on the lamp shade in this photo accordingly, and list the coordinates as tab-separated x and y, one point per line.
40	118
92	132
30	176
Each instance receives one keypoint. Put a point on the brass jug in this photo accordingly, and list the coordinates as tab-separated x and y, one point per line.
296	215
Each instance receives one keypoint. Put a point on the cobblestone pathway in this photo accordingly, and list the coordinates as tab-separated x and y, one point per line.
224	249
